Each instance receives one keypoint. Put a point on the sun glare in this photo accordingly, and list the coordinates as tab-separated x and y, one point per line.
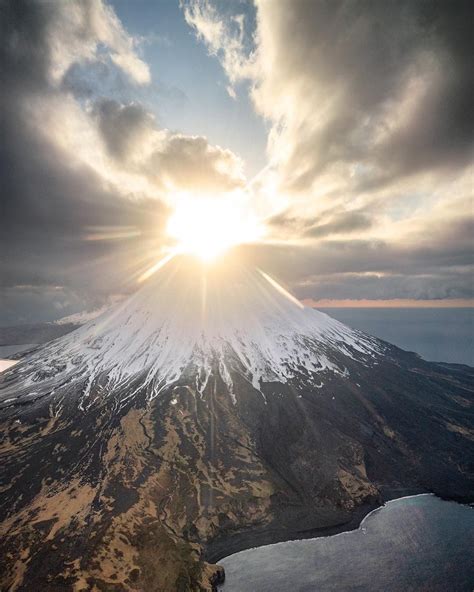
206	228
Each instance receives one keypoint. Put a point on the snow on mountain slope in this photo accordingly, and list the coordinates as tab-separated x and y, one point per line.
192	320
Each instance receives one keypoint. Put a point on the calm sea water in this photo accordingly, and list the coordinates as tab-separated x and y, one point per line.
418	543
437	334
9	350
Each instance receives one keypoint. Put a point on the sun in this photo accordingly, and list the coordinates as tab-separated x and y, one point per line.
208	227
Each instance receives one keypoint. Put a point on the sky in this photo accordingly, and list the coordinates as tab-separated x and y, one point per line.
344	128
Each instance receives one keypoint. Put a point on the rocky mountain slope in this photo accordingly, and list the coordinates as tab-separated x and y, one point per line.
208	413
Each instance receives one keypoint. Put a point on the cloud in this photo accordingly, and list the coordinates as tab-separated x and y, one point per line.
124	128
344	223
369	145
44	39
78	164
358	94
170	160
80	31
190	162
225	38
51	192
384	85
436	266
370	141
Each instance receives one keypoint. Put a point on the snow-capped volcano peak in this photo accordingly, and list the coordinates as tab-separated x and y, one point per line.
194	320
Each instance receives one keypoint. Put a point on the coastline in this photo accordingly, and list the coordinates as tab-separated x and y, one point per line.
238	542
360	527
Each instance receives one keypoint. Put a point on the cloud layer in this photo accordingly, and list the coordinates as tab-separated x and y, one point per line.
86	177
368	188
371	137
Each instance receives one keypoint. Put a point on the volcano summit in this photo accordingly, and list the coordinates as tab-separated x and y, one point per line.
208	413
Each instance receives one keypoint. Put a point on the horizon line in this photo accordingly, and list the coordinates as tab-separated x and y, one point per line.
389	303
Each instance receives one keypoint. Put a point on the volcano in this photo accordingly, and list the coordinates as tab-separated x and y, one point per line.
208	413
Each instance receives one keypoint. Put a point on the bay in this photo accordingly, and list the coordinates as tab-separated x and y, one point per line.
417	543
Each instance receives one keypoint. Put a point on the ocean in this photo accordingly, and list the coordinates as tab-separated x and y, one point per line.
437	334
413	544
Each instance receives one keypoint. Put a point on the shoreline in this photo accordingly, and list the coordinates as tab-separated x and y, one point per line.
361	530
239	542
